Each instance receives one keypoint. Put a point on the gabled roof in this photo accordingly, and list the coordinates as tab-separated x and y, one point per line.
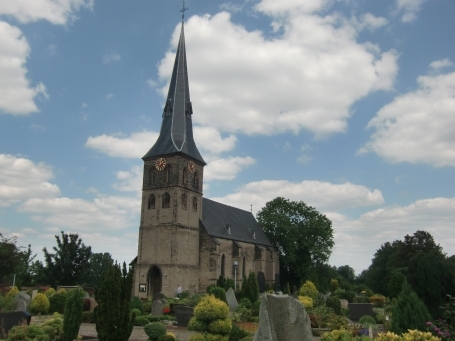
176	134
216	217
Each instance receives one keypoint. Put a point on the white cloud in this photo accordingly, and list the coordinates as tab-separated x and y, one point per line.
110	96
135	146
58	12
130	181
111	57
409	8
369	21
439	64
417	127
210	140
21	179
363	236
17	95
263	86
324	196
226	169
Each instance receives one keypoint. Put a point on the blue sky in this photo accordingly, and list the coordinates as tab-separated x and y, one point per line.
347	105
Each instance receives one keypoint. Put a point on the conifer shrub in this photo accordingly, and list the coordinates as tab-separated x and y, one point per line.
237	333
72	318
246	303
113	309
141	321
367	321
49	292
255	308
411	335
337	335
389	336
88	317
409	312
219	293
377	301
39	304
306	301
210	309
54	327
168	337
136	312
155	330
334	303
250	287
12	292
136	303
62	291
229	284
32	332
309	289
57	303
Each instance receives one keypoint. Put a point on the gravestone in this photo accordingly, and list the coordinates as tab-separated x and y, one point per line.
357	310
344	303
277	285
183	314
24	297
20	305
231	300
261	281
11	319
34	293
157	296
282	318
294	289
157	307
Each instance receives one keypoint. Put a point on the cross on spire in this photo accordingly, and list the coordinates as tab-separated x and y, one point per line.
183	10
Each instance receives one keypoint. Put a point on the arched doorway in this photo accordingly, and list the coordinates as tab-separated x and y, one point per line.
154	280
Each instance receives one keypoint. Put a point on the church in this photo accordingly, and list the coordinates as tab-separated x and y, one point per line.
184	238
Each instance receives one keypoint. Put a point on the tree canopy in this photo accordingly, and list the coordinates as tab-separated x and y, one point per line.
302	236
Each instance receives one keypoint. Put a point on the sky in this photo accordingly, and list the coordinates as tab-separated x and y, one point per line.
346	105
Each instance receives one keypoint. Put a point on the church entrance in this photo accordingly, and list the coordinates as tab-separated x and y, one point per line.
154	280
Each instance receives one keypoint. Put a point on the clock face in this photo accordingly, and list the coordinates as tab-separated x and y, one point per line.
191	167
160	164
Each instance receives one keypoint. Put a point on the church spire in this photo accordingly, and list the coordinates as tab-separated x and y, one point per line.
176	134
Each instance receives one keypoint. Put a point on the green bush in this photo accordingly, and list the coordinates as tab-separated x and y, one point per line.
197	325
222	327
136	303
335	321
245	314
337	335
367	321
155	330
309	289
24	332
250	287
73	314
54	327
12	292
50	292
88	317
245	302
377	300
255	308
153	318
57	303
141	321
334	303
136	312
147	306
210	309
237	333
197	337
39	304
168	337
219	293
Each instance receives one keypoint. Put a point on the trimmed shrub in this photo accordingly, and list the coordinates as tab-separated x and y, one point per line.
197	337
255	308
219	293
136	312
50	292
57	303
222	327
168	337
210	309
334	303
25	332
377	301
309	289
367	321
245	302
12	292
155	330
336	322
73	314
337	335
389	336
197	325
39	304
88	317
54	327
62	291
306	301
141	321
250	287
237	333
136	303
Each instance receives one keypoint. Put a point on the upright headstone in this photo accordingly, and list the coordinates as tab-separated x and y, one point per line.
157	307
277	285
157	296
34	293
344	303
283	318
11	319
20	305
261	281
231	300
183	314
357	310
24	297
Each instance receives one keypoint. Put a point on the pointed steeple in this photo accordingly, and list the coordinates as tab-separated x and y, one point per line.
176	134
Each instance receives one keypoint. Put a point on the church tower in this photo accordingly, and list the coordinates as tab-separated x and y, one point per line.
168	250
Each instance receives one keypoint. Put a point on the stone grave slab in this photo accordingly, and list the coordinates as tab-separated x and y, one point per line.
344	303
231	300
157	307
357	310
11	319
282	318
183	314
34	293
157	296
261	281
277	285
20	305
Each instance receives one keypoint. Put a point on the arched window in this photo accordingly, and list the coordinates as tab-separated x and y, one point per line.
222	265
152	176
184	201
184	176
167	174
196	180
151	204
166	200
194	203
257	252
244	267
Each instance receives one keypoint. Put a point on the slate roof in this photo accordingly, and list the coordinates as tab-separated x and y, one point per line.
176	134
216	216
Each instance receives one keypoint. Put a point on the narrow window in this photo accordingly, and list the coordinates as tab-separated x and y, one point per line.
152	177
151	204
166	201
235	249
167	174
196	181
184	201
244	267
194	203
222	265
257	252
184	176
